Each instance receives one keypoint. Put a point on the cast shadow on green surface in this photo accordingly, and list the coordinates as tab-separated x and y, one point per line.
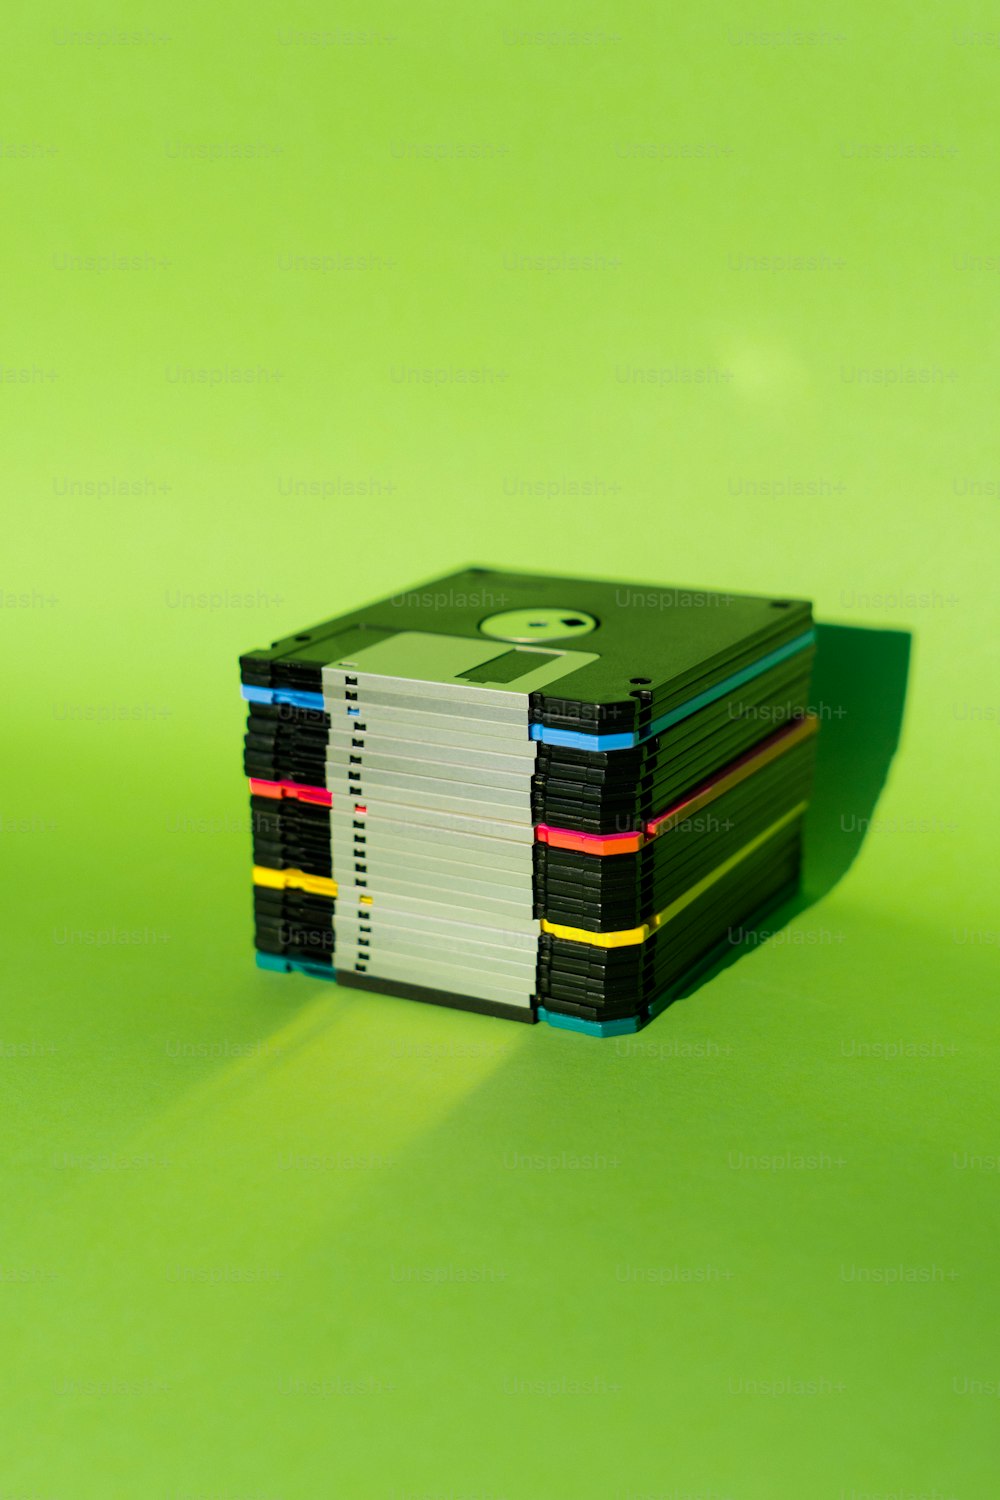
859	692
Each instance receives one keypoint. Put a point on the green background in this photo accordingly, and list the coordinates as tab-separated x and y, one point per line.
263	1240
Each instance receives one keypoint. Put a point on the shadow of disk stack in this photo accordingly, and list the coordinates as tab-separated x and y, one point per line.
542	798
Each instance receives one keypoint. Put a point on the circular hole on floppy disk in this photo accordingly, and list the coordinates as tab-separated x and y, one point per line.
640	681
539	624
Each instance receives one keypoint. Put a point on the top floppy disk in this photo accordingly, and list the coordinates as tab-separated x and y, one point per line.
574	663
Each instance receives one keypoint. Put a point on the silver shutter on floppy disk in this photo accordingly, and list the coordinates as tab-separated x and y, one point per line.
429	762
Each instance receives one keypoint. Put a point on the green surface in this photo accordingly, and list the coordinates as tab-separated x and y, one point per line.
264	1239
